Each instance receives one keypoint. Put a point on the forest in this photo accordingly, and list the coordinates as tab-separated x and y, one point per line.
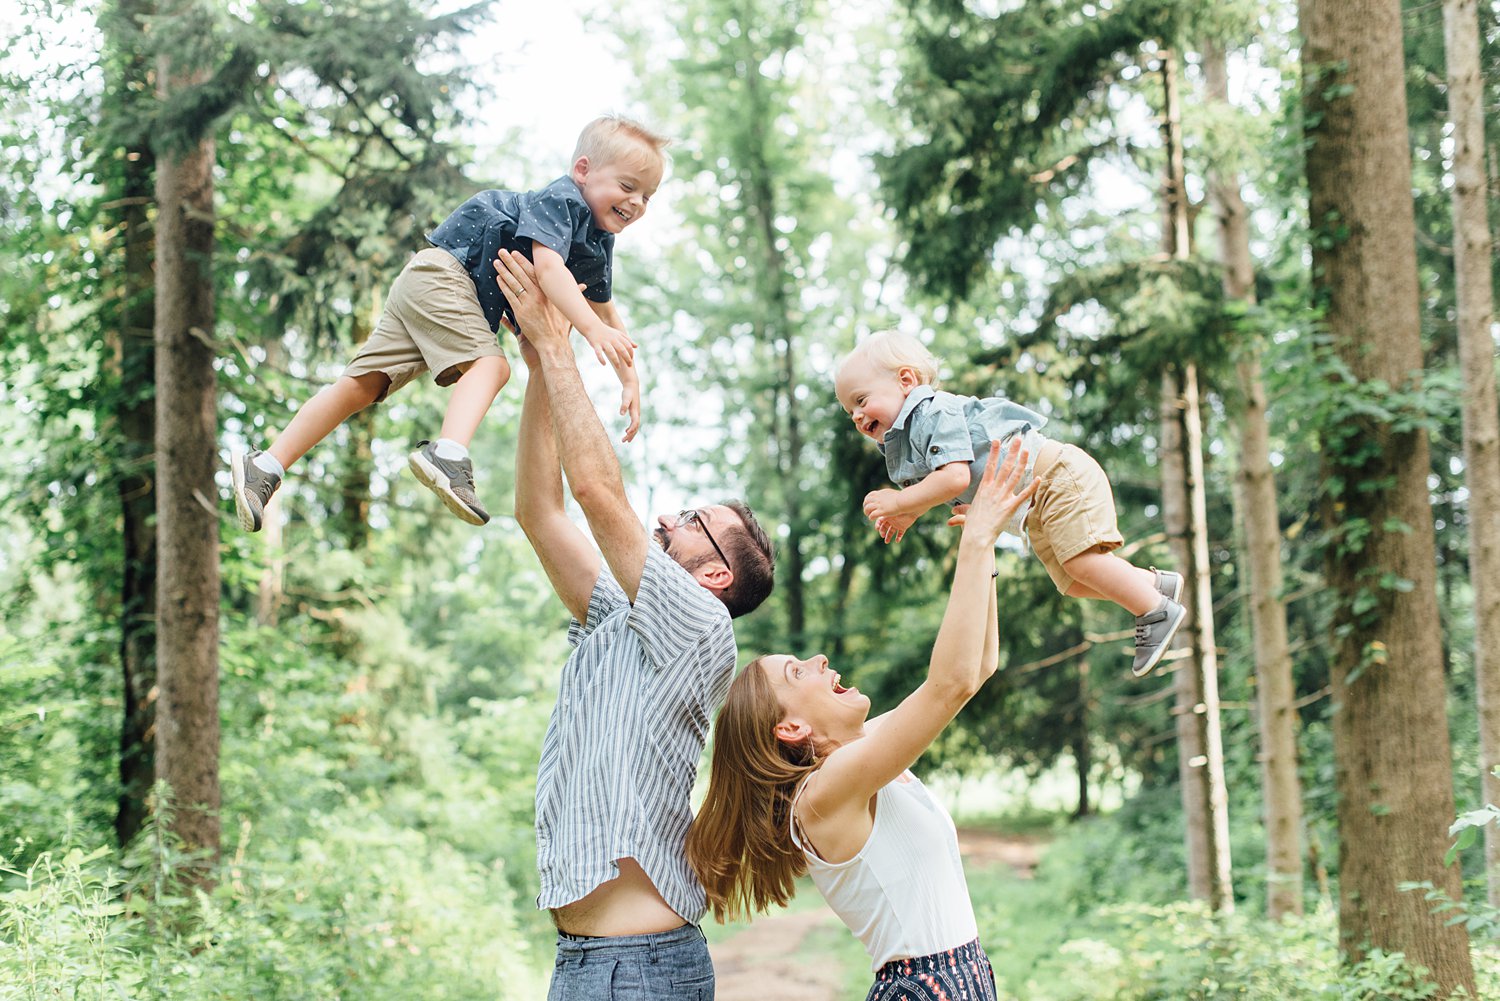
1241	252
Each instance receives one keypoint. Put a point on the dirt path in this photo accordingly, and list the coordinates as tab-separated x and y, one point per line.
779	951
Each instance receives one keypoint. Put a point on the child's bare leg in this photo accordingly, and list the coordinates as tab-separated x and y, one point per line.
444	466
473	394
1111	578
317	418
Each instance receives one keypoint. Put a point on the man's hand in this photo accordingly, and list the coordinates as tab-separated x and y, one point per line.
543	322
528	353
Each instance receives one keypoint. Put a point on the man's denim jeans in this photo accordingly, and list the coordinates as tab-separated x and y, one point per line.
668	966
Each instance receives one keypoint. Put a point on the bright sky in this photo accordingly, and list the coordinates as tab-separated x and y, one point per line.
562	72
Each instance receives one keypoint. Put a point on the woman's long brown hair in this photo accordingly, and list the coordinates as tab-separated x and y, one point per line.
739	844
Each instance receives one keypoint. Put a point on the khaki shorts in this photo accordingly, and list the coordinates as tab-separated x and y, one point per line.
432	320
1072	512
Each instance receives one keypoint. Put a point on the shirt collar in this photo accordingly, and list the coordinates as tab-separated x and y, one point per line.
919	394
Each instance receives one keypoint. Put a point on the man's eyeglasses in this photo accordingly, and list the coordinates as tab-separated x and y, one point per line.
694	518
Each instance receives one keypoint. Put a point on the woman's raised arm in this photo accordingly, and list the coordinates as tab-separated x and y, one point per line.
965	653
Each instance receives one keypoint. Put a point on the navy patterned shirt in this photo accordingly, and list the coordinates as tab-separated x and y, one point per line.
556	216
621	752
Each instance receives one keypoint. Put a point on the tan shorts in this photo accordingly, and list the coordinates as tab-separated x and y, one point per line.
1072	512
432	320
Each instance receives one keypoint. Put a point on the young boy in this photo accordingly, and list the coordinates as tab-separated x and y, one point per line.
445	308
935	445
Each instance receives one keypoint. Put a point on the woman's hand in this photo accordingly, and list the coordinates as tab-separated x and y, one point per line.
997	500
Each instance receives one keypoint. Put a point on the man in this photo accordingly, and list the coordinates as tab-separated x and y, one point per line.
653	656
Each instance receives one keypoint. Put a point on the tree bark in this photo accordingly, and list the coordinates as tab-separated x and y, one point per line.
186	512
778	332
1275	690
1476	349
1190	757
1198	702
357	462
1393	768
135	356
1083	749
131	363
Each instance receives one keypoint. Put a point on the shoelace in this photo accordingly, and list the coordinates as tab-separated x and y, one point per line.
1142	633
265	485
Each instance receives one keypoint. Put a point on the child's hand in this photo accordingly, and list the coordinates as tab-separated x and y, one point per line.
630	403
611	345
884	508
883	503
893	527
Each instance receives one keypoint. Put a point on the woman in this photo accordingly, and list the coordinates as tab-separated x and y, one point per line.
802	781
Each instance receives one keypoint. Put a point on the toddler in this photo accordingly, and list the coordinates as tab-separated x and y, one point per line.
445	309
935	446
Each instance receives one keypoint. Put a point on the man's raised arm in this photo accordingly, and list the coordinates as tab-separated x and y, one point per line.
587	456
571	562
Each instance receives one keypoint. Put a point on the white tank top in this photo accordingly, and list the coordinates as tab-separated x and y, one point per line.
904	894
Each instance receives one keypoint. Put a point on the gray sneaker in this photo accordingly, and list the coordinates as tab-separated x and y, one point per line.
452	480
1168	583
1153	635
253	488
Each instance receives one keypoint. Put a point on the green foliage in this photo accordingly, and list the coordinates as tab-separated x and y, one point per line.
1130	952
354	909
1119	936
373	848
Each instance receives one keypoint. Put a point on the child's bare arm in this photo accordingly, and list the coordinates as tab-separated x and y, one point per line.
630	382
610	343
894	511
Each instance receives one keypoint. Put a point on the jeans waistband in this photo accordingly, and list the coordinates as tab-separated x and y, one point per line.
969	952
606	945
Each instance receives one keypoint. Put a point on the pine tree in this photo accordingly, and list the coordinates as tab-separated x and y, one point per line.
1256	498
1393	768
187	525
1472	261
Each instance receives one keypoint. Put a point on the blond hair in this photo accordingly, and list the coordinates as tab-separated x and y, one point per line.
893	350
740	844
613	137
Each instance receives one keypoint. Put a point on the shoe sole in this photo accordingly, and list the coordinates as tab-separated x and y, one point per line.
248	520
433	479
1162	647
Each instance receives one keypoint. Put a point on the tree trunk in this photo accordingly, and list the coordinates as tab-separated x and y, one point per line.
779	335
1190	757
186	512
357	462
1201	625
1203	708
1276	693
1083	751
1476	349
134	356
1393	771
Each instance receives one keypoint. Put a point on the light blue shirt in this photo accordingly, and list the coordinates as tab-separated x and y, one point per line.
935	428
621	752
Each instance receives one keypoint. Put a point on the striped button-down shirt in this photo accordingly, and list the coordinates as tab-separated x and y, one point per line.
621	752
